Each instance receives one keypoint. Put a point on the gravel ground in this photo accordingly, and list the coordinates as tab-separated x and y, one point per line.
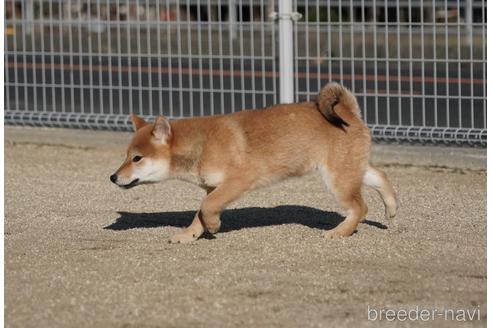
79	252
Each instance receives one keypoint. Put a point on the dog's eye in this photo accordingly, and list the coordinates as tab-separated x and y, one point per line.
137	158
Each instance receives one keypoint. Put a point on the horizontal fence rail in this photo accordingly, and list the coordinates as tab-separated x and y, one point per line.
418	68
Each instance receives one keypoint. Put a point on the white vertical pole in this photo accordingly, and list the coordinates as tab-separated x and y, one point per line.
29	15
469	21
286	51
232	19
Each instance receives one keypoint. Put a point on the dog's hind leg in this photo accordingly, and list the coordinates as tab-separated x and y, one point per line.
346	186
377	180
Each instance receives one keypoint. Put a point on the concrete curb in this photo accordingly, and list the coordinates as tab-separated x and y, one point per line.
383	154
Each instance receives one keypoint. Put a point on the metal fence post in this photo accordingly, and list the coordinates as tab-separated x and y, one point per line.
286	51
233	19
469	22
28	15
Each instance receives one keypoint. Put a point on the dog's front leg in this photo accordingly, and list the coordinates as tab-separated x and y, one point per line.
189	234
193	231
218	199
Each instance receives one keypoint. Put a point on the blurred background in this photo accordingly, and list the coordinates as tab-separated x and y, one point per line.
418	68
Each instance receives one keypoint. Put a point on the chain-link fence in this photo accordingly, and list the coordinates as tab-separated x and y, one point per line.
417	67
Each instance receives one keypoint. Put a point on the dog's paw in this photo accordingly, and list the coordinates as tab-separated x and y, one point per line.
183	238
331	234
390	212
336	234
213	226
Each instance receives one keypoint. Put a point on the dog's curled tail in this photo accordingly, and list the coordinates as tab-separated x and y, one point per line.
334	94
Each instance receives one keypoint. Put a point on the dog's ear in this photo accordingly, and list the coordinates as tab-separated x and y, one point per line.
162	129
138	122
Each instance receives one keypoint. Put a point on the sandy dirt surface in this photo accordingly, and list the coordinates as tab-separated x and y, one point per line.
79	252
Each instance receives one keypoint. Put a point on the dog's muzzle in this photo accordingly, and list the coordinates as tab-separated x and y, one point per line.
114	179
130	185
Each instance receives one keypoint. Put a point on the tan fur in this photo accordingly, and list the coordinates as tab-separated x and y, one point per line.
231	154
329	97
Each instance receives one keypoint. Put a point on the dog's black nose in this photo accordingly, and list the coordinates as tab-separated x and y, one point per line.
113	178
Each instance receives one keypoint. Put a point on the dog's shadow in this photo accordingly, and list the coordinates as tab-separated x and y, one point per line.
236	219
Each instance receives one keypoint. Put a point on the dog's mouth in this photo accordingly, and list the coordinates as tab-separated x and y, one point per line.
131	184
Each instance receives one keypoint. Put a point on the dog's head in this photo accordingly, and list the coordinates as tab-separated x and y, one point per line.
148	155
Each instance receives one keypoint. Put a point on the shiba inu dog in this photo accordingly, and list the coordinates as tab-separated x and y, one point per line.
228	155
